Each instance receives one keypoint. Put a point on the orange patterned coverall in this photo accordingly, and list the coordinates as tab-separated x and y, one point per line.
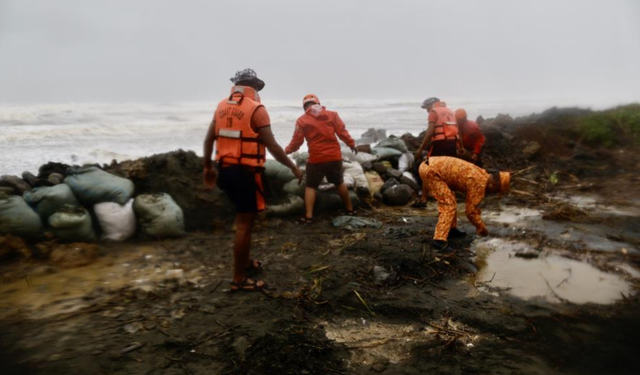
444	175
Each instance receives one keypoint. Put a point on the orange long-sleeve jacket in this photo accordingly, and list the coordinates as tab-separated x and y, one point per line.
319	127
472	137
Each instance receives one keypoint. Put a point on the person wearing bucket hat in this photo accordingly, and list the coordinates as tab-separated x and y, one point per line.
442	177
441	138
241	127
319	127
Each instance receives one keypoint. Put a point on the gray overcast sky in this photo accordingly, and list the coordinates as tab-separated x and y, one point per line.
161	50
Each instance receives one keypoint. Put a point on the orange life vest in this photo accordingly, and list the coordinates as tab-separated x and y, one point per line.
446	126
237	141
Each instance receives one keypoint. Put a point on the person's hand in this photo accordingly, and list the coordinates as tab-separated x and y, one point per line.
298	173
210	177
354	150
482	232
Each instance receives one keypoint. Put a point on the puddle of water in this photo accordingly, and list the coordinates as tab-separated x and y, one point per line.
66	291
514	219
551	277
593	205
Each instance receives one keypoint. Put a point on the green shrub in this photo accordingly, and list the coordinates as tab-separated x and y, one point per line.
616	127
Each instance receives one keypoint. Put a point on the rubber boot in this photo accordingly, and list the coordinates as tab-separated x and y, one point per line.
456	233
441	247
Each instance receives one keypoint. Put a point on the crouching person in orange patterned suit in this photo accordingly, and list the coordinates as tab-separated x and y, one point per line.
441	177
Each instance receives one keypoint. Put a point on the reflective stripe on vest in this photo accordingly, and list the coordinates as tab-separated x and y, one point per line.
237	141
446	126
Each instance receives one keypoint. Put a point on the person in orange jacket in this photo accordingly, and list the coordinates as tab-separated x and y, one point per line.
442	176
442	131
472	138
319	127
242	129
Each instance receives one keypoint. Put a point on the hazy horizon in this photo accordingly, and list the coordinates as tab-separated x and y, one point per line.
163	51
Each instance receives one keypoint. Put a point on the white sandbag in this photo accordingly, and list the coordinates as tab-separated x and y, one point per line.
357	173
375	182
118	222
405	163
348	180
159	215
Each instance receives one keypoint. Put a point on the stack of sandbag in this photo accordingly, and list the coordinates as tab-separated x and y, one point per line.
360	157
47	200
72	224
159	215
118	222
92	185
18	218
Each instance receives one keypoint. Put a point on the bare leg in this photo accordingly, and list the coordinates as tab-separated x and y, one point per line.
344	194
309	201
242	245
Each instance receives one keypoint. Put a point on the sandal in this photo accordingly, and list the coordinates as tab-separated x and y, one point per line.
247	286
306	220
254	266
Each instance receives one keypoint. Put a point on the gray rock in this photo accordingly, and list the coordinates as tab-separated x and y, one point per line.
7	190
389	184
16	183
29	178
398	195
393	173
407	181
380	168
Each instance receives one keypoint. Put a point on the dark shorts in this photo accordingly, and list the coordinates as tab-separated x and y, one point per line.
243	185
316	172
444	148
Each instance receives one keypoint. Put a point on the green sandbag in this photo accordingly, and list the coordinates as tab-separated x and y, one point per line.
92	185
72	224
47	200
276	172
332	201
395	143
386	153
159	215
17	218
294	205
294	187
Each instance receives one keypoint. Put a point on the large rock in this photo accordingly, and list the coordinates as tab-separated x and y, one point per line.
398	195
55	178
389	184
408	179
380	167
15	182
393	173
29	178
373	136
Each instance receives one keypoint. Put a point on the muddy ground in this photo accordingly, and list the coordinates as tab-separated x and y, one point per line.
553	290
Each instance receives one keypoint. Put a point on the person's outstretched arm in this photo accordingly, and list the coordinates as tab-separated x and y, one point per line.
343	134
266	136
296	140
210	173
